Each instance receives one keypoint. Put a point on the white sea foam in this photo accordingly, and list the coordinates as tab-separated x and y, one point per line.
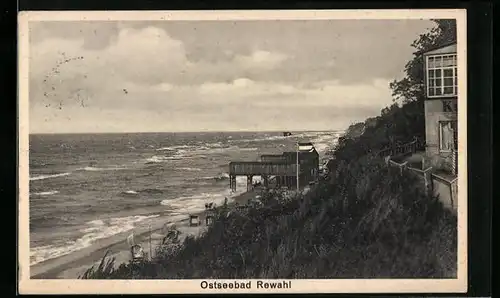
95	230
41	177
185	151
248	149
196	203
221	176
160	159
173	148
95	169
45	193
189	169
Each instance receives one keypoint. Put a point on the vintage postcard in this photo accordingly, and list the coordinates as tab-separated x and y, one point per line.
242	151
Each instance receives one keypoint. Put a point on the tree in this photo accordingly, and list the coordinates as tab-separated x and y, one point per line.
411	87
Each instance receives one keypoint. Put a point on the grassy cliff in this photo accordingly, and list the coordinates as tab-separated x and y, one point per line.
362	220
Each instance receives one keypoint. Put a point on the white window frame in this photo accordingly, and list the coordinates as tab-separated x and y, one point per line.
454	77
440	134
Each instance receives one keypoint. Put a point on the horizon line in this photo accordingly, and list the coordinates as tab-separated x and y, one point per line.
201	131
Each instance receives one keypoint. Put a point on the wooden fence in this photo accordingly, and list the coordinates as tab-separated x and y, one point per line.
402	150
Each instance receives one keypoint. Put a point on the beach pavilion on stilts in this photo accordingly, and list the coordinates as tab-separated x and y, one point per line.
283	168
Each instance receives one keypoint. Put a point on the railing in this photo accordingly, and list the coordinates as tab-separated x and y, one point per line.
262	168
402	150
272	158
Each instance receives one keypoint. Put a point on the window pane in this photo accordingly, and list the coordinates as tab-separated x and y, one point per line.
448	72
431	73
448	61
448	90
438	91
431	83
431	62
438	82
438	73
439	61
431	91
448	82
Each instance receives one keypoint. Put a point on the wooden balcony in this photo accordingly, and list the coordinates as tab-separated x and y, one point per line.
255	168
273	158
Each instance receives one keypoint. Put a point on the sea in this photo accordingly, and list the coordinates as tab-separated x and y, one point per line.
86	187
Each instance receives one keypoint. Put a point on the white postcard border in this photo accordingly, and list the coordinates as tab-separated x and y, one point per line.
33	286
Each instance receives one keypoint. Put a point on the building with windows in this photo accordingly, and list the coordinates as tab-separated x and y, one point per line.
440	79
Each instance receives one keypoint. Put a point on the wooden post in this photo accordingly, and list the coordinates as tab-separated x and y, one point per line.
249	182
454	161
150	247
232	182
298	171
266	181
209	219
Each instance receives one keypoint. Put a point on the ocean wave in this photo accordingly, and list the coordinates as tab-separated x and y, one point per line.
151	191
141	191
95	169
266	138
94	230
129	193
248	149
189	169
42	177
160	159
221	176
173	148
45	193
190	151
196	203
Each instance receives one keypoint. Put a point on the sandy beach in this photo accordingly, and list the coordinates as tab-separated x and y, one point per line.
71	266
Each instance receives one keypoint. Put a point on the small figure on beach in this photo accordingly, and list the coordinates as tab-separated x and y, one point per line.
171	237
209	206
137	253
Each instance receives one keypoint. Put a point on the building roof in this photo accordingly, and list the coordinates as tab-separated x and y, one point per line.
306	147
436	47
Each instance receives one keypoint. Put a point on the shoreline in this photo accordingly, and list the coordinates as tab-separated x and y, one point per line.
72	265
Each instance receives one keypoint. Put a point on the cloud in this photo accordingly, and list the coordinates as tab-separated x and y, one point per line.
320	94
261	59
267	79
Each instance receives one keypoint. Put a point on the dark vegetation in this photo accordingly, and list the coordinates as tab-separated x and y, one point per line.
364	219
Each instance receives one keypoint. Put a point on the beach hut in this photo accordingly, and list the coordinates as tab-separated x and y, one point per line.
194	220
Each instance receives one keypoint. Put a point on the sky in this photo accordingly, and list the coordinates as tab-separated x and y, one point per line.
171	76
